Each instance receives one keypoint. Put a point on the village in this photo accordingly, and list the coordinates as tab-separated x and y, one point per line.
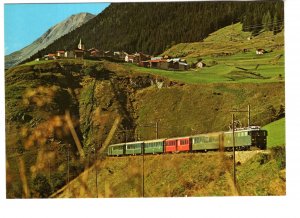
138	58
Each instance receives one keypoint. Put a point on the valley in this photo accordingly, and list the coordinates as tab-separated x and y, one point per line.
62	114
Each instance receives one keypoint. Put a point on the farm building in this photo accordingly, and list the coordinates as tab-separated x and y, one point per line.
200	64
70	54
260	51
61	53
93	52
79	53
50	57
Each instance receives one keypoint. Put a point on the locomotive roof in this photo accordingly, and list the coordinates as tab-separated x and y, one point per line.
246	129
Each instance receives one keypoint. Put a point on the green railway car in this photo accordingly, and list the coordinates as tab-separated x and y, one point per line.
133	148
116	149
154	146
205	142
242	140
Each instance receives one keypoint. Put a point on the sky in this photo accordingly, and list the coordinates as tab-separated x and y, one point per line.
24	23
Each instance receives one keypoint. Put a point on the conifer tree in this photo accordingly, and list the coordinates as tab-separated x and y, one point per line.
267	21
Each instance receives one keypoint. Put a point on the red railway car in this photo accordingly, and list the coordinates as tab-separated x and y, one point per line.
170	146
183	144
177	144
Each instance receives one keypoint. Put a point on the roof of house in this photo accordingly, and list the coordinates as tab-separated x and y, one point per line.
91	49
183	63
156	58
174	60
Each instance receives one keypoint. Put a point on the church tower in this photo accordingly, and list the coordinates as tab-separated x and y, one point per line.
80	45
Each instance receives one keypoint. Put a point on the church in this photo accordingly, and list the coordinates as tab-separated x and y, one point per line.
79	51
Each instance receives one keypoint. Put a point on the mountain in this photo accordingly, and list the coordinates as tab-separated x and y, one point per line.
153	27
47	38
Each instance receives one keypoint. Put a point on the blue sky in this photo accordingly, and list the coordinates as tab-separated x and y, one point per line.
24	23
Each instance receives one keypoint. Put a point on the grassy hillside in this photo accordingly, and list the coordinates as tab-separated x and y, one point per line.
237	65
192	109
179	175
41	146
39	138
276	131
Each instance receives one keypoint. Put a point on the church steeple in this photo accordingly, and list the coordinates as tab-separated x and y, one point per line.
80	45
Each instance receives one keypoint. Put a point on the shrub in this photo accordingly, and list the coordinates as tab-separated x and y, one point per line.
41	187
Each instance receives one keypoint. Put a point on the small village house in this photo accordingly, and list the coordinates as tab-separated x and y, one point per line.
121	55
129	58
78	54
50	57
93	52
109	54
178	64
70	54
200	64
61	54
144	64
260	51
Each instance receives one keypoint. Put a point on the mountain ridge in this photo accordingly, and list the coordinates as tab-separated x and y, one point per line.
52	34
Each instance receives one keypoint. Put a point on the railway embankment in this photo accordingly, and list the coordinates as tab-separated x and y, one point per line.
182	174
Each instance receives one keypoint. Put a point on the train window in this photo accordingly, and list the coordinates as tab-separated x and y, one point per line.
171	143
183	142
133	146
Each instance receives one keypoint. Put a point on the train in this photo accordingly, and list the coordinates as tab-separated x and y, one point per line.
248	138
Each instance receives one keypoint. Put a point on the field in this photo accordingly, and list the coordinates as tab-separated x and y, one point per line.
276	131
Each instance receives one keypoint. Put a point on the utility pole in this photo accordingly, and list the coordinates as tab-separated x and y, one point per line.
156	127
68	173
233	148
143	191
246	111
137	136
248	115
233	139
96	170
49	166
